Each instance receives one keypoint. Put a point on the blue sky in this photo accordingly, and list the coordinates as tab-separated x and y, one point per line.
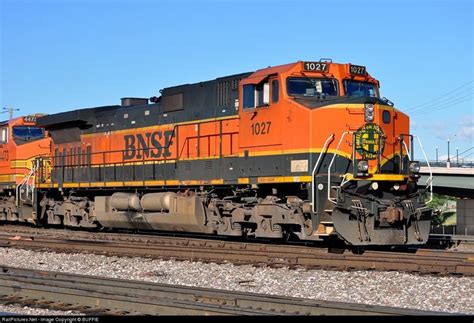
60	55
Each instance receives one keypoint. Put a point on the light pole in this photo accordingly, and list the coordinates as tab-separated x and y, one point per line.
457	156
436	156
448	162
10	112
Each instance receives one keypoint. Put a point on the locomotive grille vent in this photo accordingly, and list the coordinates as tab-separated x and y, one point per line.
225	90
208	164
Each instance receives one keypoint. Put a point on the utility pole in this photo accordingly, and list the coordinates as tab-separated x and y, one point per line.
448	162
10	112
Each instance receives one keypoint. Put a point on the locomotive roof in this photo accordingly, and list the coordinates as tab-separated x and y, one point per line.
76	117
81	117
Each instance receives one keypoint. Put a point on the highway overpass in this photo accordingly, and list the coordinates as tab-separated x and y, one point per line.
457	182
454	181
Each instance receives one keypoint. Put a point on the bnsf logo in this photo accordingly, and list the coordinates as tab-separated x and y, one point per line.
151	144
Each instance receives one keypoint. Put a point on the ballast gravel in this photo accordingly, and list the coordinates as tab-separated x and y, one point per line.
14	310
434	293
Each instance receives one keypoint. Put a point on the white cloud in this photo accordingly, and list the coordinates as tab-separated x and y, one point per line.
466	129
440	129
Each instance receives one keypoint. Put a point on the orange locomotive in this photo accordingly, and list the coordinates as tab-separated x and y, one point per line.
305	150
21	143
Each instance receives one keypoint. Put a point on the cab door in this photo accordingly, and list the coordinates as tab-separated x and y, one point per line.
260	117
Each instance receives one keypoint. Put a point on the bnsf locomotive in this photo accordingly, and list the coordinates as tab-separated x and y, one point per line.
306	150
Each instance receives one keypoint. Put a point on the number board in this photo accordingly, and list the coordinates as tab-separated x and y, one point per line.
316	66
357	70
31	118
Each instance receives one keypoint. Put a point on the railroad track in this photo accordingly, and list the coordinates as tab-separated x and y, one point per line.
460	242
425	261
99	295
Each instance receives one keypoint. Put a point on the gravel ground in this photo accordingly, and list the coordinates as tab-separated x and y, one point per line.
14	309
447	294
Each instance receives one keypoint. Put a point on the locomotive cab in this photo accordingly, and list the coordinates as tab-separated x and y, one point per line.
21	143
351	147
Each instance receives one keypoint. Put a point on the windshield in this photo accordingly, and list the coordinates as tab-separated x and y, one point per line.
355	88
311	86
27	133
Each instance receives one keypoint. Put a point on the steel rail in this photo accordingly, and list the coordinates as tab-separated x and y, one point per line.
423	261
116	296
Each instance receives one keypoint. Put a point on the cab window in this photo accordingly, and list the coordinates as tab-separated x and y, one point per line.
25	133
256	95
275	91
249	96
356	88
311	87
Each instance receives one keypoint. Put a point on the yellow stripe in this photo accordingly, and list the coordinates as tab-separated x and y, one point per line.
295	151
131	183
156	127
8	178
243	180
377	177
53	185
22	163
283	179
262	180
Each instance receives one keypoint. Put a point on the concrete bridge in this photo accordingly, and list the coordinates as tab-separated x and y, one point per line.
457	182
453	181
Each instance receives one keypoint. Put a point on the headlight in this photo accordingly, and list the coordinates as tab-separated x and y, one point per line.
374	186
363	166
369	112
414	167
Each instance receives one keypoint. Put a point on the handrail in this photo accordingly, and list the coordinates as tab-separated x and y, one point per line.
330	138
408	151
25	184
330	165
429	181
108	153
208	136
